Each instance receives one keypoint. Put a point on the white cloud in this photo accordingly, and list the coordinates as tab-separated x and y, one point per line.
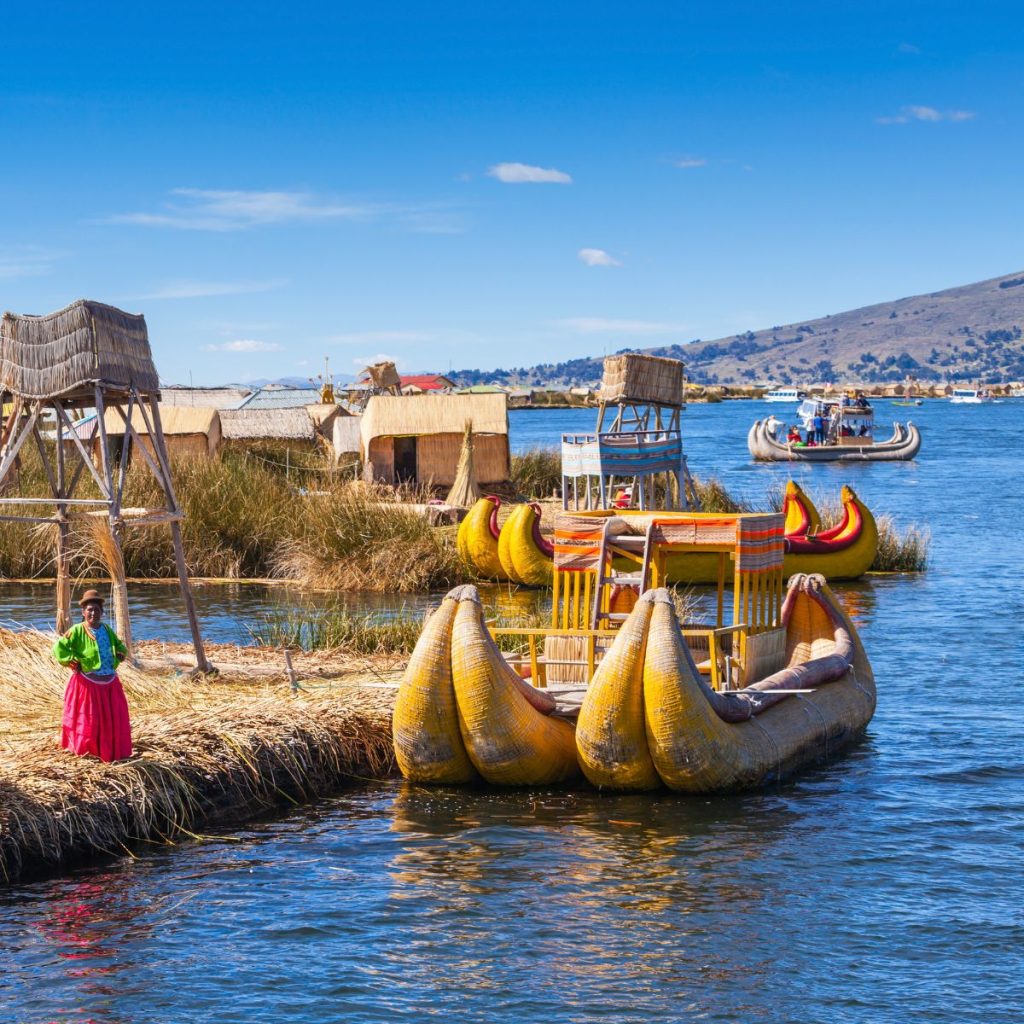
598	258
382	337
518	174
687	162
917	112
27	261
908	48
599	325
245	345
196	209
205	289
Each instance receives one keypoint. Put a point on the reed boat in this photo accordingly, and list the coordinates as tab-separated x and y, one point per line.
517	551
697	707
522	555
524	552
765	445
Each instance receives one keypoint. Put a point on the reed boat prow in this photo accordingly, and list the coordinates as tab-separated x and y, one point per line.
704	741
477	539
505	723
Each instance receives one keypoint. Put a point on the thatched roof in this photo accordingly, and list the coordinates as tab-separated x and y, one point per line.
632	377
253	424
66	352
176	420
417	415
227	397
282	396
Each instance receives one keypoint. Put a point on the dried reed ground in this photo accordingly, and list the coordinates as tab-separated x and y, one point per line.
208	750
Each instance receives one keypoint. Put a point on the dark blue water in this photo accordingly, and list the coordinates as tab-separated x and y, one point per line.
885	886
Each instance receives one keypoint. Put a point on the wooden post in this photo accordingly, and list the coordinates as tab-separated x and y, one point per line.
63	622
157	435
113	555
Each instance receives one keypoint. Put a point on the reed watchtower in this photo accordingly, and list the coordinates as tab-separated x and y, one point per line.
52	368
636	453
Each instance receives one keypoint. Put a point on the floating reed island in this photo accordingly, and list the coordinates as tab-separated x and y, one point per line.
209	750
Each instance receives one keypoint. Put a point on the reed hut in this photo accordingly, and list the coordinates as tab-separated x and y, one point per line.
189	431
418	438
294	425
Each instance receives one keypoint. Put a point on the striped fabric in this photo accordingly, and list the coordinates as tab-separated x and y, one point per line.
761	543
578	542
622	454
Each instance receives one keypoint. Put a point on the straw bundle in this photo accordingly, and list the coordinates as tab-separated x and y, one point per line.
465	492
631	377
109	550
60	353
207	753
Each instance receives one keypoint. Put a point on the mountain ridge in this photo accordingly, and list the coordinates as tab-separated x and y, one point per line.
972	332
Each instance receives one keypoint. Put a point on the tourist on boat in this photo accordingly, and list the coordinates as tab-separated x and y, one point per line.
95	710
818	423
793	437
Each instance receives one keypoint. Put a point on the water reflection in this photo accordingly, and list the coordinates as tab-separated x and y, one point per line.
662	867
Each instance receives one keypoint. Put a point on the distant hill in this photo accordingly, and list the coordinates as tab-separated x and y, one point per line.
970	333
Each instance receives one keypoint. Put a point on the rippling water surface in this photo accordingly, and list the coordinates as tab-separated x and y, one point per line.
884	886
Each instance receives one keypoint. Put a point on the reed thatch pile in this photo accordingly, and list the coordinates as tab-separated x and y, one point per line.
631	377
58	354
207	750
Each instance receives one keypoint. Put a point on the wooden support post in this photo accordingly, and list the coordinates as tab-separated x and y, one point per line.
113	554
157	436
63	622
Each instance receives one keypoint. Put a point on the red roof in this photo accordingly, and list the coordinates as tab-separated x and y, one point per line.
427	381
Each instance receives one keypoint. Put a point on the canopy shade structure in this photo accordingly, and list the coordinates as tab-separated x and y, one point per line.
90	355
63	354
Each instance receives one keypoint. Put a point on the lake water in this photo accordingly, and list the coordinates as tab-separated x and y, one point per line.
884	886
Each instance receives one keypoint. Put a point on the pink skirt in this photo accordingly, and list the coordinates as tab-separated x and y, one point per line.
96	719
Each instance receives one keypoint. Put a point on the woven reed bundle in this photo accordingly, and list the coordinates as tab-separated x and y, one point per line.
425	723
464	492
383	375
611	740
631	377
509	741
59	353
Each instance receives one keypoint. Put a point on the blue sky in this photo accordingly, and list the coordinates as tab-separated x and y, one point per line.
478	185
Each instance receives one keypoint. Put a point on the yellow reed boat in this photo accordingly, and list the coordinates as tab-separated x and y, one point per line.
519	553
695	706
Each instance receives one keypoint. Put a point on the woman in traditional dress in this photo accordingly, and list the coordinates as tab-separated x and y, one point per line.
95	710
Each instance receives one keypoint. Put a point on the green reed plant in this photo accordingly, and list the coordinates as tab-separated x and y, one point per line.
537	472
337	630
905	551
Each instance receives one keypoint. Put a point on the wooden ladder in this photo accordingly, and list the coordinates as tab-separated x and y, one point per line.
606	577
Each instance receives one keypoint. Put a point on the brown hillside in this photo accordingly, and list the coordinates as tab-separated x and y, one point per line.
973	332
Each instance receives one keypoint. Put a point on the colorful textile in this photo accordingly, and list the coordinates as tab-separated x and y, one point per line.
78	644
95	719
761	543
